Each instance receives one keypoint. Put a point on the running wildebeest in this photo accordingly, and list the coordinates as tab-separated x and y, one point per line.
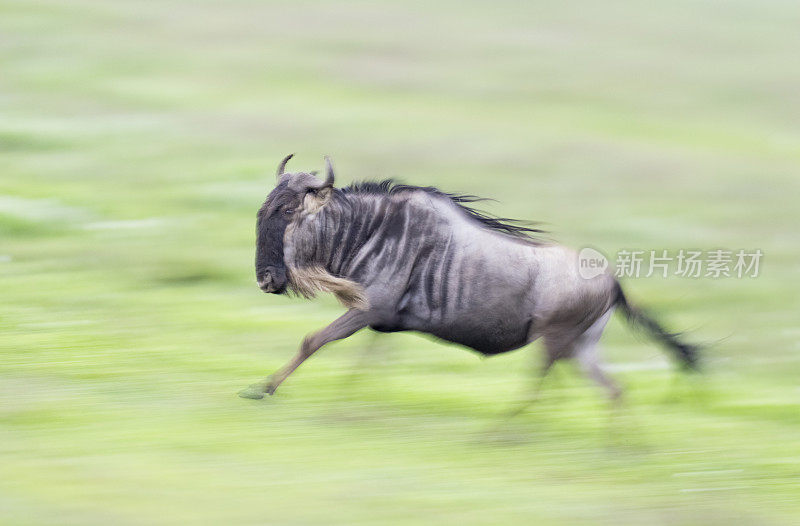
408	258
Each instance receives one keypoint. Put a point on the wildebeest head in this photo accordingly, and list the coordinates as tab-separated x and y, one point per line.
294	193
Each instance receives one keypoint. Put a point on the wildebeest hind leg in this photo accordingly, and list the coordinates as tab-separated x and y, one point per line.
586	352
344	326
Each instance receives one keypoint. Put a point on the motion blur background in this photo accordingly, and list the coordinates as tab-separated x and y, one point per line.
138	139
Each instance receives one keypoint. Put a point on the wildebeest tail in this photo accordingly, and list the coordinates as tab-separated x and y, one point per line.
687	354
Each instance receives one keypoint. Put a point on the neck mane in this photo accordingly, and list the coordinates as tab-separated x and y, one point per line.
512	227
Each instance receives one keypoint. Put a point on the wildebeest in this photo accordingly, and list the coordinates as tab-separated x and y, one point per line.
408	258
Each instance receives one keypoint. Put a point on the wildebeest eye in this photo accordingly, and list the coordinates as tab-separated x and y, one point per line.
289	211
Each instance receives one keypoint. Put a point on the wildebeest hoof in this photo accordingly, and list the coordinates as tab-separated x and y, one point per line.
254	392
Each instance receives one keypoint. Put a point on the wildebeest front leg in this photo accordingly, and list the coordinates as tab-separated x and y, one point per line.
346	325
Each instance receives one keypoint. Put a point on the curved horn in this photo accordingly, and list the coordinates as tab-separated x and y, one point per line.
329	170
282	166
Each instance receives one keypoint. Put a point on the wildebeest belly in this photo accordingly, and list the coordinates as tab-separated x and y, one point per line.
493	336
489	335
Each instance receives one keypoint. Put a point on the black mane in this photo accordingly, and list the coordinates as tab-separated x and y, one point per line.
512	227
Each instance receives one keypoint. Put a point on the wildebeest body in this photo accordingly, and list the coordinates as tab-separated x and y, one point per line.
415	258
425	265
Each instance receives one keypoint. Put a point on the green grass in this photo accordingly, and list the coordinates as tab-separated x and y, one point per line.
137	141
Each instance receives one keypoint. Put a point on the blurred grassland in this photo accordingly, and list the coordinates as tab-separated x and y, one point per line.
137	140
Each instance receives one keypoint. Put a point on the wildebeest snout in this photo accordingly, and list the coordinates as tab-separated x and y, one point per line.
272	280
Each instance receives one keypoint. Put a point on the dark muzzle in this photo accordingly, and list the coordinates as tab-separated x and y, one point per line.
272	280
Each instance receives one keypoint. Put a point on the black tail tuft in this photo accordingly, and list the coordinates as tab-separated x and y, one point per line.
686	354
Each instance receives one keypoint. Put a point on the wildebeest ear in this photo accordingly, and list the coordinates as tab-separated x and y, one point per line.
316	198
319	194
324	192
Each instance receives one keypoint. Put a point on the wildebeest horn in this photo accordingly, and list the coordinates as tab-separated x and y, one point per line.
329	170
282	166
